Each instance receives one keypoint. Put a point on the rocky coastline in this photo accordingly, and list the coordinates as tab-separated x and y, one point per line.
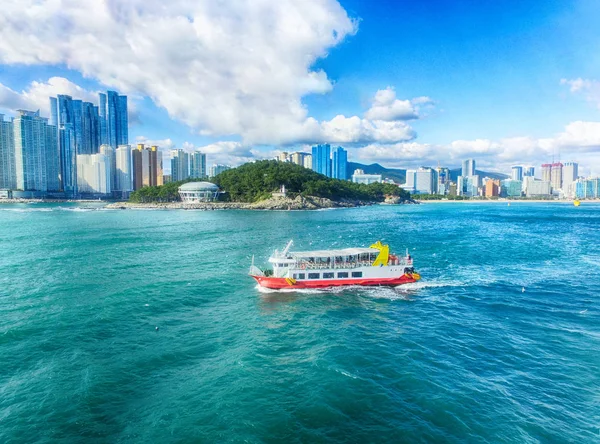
274	203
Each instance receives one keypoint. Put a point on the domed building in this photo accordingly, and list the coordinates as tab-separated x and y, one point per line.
193	192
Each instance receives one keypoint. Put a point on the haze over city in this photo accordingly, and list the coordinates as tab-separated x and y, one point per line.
398	83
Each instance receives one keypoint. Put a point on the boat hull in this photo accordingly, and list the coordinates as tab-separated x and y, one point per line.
277	283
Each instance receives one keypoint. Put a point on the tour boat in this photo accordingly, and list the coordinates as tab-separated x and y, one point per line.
371	266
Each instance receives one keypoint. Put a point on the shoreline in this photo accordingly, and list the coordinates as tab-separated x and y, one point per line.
505	201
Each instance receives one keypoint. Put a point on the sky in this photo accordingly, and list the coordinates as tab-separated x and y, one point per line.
403	83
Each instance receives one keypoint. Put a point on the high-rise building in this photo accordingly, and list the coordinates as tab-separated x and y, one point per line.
460	186
517	173
36	152
556	175
68	159
426	181
547	172
93	174
443	175
180	165
340	163
53	112
529	172
197	164
8	179
307	162
217	169
124	175
117	120
569	175
109	152
492	188
468	167
90	129
299	158
145	164
103	117
321	159
511	188
283	156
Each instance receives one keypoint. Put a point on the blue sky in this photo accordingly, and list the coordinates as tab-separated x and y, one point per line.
505	82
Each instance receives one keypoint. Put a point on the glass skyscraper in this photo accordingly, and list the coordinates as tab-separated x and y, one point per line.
321	159
468	167
103	120
7	155
117	120
340	163
180	169
198	164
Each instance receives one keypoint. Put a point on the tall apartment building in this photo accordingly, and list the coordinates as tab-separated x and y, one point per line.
93	174
109	152
468	167
124	174
321	159
569	173
547	172
145	166
197	164
8	179
556	175
492	188
217	169
339	167
117	122
180	165
517	173
36	153
529	172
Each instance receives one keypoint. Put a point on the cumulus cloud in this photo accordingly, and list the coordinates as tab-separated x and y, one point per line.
590	89
220	67
388	108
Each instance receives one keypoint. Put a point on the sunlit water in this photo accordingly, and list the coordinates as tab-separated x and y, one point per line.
500	341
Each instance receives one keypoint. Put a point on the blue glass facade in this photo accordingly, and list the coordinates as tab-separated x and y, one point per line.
68	159
340	163
117	120
103	119
321	159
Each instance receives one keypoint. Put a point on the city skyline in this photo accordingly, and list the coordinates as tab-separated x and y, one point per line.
440	87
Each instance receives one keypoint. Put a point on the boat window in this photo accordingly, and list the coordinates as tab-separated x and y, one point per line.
328	275
342	274
301	276
357	274
313	275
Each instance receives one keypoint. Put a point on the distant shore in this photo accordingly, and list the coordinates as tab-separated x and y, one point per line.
504	201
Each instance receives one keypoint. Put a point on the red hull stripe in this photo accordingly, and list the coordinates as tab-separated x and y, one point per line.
279	283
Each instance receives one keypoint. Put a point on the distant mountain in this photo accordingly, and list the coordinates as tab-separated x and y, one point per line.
397	175
457	172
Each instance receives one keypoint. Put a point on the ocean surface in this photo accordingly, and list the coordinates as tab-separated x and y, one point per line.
500	341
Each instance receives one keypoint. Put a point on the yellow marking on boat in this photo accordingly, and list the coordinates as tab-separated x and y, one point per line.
384	253
290	281
416	276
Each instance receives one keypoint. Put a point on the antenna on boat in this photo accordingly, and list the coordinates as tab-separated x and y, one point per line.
287	248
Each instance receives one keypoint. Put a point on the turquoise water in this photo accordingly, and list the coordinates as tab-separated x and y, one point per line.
500	342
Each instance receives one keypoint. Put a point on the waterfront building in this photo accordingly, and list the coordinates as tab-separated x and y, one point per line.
93	174
529	172
537	188
492	188
517	173
8	179
339	166
569	173
471	185
145	162
109	152
410	180
426	181
68	159
547	172
556	175
90	129
511	188
198	164
36	153
587	188
217	169
468	167
460	186
116	119
359	176
180	165
321	159
53	112
159	168
443	175
102	115
193	192
124	174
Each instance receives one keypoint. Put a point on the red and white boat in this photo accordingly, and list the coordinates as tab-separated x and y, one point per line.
373	266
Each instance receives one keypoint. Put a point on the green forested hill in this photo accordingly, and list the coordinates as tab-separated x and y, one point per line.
256	181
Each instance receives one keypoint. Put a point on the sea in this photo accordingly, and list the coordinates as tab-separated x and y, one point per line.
143	326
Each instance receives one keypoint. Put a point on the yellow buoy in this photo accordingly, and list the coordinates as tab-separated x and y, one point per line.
576	202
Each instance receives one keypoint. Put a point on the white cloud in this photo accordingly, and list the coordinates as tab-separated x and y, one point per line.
589	88
387	107
220	67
